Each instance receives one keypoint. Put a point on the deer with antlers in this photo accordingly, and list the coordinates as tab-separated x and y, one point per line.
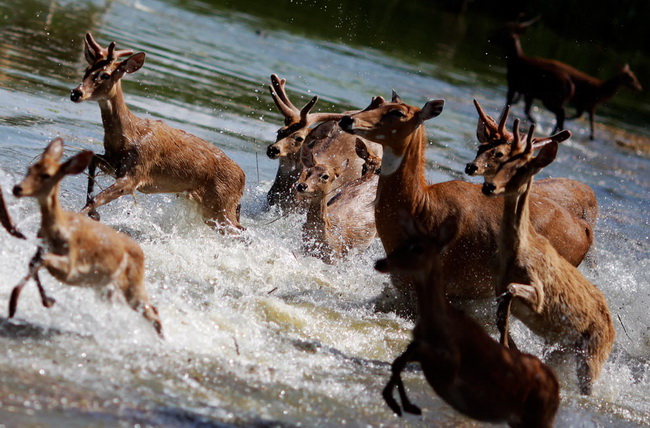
462	363
339	219
572	198
468	263
80	251
326	141
148	155
548	294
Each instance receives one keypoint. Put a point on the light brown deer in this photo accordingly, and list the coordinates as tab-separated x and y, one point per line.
339	219
548	294
578	199
5	219
81	251
330	145
463	364
469	263
148	155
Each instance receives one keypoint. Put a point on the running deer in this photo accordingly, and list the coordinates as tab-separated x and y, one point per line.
463	364
330	145
535	78
5	219
339	219
468	263
148	155
591	92
548	294
81	251
576	198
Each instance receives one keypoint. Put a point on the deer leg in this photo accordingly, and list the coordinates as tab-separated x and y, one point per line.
92	167
559	119
396	381
504	302
6	220
592	135
528	100
34	265
123	186
47	301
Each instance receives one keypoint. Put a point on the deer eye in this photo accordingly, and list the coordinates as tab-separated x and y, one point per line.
498	155
325	177
45	176
104	76
397	113
300	139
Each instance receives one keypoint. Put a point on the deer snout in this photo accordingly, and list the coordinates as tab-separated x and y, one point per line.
346	123
18	190
75	95
381	265
272	151
488	188
470	169
301	187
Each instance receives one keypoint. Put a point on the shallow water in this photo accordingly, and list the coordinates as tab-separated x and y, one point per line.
258	334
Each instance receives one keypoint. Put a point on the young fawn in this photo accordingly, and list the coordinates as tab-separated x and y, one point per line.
549	294
468	264
341	218
81	251
462	363
148	155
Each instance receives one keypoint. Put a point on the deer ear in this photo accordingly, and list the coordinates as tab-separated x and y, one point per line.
546	155
77	164
307	157
396	98
133	64
361	149
54	150
432	109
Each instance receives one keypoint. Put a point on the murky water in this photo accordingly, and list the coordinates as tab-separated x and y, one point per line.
258	334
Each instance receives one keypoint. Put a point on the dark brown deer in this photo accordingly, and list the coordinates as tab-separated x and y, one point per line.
591	92
548	294
495	142
148	155
463	364
329	144
535	78
81	251
468	263
339	219
5	219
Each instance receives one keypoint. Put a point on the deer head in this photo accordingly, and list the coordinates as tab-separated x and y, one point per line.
371	163
44	176
514	174
316	179
103	73
629	78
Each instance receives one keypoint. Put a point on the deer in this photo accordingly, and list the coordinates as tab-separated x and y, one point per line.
590	91
469	261
80	251
332	146
148	155
495	142
6	221
339	219
547	293
468	369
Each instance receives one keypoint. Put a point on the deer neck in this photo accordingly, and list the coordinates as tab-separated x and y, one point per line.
432	303
610	87
513	50
317	218
52	216
515	225
120	125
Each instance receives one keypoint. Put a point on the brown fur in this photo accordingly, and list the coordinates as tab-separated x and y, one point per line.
462	363
468	263
341	218
550	295
150	156
81	252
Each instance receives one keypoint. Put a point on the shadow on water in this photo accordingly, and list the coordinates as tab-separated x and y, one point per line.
18	329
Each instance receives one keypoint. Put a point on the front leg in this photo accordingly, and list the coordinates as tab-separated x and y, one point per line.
396	380
97	160
504	301
5	220
34	265
123	186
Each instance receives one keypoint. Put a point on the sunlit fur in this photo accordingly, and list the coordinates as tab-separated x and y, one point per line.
551	296
151	157
81	251
462	363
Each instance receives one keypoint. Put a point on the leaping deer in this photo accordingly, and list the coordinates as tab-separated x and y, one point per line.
468	263
548	294
462	363
80	251
148	155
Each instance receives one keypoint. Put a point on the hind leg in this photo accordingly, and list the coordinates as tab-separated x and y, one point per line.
396	381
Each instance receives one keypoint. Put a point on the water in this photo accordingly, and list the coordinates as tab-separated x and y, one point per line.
258	334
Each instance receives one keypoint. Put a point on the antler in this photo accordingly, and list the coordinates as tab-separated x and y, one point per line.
487	129
95	52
